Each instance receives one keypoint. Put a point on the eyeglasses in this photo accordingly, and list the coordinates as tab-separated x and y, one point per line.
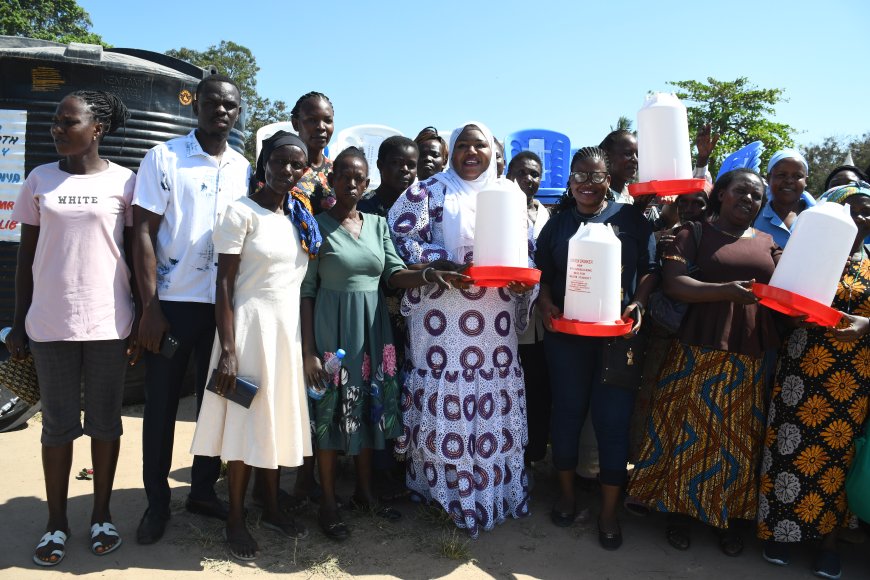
593	176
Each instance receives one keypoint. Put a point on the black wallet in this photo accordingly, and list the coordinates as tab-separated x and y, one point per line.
243	395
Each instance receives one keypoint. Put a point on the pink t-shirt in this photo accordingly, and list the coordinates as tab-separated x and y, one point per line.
81	282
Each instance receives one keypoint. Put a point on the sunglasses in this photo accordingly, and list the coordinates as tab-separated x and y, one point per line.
593	176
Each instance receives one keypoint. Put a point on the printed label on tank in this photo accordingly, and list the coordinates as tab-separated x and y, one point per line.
13	126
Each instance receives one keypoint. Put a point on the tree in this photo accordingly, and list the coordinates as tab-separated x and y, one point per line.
57	20
238	63
739	113
623	124
831	152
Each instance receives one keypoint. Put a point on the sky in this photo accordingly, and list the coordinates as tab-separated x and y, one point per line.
567	65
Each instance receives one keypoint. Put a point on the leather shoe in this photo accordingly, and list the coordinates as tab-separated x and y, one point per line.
609	540
151	528
212	508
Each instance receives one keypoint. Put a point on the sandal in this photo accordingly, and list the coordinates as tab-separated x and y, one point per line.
287	502
233	547
730	542
58	537
288	529
337	531
382	511
106	529
678	536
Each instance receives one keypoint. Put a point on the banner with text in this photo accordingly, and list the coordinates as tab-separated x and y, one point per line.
13	126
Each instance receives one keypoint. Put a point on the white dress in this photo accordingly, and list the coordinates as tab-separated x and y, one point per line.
275	430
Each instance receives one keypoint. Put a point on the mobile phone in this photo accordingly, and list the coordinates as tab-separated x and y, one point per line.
168	345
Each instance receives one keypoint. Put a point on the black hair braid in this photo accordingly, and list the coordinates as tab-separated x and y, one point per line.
350	153
608	142
294	112
567	200
106	107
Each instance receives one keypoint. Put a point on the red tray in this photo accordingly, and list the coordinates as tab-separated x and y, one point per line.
567	326
501	276
669	187
792	304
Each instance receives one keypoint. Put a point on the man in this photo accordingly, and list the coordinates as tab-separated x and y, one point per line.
397	164
182	188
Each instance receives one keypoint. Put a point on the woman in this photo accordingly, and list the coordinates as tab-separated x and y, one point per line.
818	408
579	357
344	307
621	149
704	434
73	302
263	244
526	170
842	175
433	153
312	118
463	401
787	178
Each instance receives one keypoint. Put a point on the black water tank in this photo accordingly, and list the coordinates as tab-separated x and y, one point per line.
36	74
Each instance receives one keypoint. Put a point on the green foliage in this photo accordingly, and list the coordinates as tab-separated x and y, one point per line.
623	123
831	152
56	20
739	113
238	63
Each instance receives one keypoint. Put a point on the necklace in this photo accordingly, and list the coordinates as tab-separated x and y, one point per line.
729	234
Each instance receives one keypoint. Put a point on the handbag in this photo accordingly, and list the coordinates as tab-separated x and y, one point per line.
858	480
664	310
622	361
19	377
243	395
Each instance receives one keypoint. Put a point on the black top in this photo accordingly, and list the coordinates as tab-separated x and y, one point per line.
371	203
630	226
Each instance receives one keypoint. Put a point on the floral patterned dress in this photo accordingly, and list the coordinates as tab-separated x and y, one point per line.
361	410
463	399
819	405
315	186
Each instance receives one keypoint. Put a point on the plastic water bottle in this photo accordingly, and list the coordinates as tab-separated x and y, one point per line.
331	367
4	333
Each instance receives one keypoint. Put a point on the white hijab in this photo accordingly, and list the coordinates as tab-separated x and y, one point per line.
460	197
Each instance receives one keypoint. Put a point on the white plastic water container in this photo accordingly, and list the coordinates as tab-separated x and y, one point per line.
593	283
663	146
812	262
501	226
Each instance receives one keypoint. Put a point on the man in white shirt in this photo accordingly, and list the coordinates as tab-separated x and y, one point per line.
182	188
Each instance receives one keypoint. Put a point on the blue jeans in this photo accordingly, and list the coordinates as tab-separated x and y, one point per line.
575	381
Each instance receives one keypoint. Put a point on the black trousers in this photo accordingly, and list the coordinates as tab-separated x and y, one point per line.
193	324
533	359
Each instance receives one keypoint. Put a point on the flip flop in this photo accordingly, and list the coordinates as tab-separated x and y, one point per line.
236	555
288	529
107	529
58	537
85	474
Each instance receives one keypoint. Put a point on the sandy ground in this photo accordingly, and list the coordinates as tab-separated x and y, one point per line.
422	545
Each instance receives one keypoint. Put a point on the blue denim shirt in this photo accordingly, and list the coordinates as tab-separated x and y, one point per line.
768	222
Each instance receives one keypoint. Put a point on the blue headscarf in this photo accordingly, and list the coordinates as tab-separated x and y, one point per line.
297	206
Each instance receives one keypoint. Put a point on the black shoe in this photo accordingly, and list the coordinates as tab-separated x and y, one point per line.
562	519
212	508
609	540
827	565
151	528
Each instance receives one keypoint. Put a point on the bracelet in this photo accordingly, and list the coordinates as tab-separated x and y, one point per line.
426	271
640	307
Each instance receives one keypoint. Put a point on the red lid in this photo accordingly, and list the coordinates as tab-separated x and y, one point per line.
501	276
669	187
567	326
792	304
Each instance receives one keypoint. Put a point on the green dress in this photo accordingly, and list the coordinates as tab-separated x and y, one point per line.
361	409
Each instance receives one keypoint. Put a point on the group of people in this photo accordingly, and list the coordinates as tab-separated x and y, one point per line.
270	277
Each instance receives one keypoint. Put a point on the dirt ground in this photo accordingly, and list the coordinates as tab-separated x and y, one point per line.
424	544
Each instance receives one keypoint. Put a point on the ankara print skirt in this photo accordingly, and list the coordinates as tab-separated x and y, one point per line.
463	406
703	438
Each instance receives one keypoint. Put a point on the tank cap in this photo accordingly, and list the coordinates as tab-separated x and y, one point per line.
84	51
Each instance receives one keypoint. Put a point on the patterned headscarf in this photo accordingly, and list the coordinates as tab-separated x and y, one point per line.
841	193
297	206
